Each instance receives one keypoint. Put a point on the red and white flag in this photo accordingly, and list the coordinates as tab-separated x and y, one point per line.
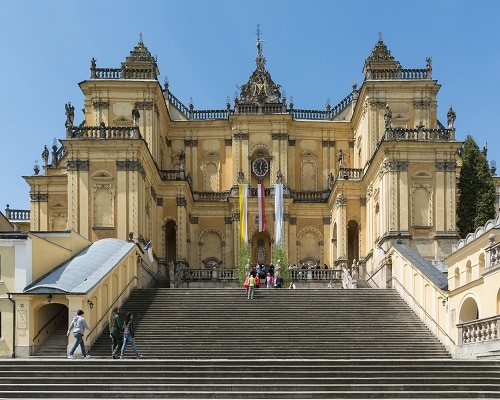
262	207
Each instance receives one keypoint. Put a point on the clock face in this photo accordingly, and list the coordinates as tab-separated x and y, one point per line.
260	167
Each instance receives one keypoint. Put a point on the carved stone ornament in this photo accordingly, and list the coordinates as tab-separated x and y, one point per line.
260	88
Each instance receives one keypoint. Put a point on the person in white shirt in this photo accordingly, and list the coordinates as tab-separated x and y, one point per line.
78	326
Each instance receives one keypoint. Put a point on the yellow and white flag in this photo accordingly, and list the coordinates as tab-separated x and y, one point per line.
243	192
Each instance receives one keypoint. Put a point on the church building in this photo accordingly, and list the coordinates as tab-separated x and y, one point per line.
332	185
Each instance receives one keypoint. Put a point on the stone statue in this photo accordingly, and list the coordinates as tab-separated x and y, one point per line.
279	177
451	118
247	268
182	157
340	158
388	117
136	115
429	62
241	176
45	156
277	269
70	114
331	180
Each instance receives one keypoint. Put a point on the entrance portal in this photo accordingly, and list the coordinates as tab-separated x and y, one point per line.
261	248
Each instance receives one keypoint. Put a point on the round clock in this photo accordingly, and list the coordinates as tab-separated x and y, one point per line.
260	166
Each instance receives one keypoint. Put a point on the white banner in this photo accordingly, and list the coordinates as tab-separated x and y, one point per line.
278	211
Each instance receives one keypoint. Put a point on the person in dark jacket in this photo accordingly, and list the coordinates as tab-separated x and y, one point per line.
115	332
128	336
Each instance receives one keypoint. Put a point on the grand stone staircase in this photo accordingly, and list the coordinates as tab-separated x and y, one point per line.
284	344
312	323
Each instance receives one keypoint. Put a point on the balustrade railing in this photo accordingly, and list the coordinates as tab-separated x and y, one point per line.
17	215
419	134
172	175
479	330
305	196
123	73
178	104
210	196
188	274
316	274
346	101
399	73
350	173
208	274
105	132
309	114
210	114
494	257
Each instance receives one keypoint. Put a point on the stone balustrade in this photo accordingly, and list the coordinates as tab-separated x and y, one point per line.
317	275
310	196
17	215
172	175
123	73
494	257
105	132
419	134
398	73
350	173
210	196
479	330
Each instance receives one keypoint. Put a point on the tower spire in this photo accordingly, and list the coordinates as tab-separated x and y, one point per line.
260	60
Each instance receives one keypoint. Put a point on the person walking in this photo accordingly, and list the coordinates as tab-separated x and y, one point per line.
78	326
128	336
115	332
251	287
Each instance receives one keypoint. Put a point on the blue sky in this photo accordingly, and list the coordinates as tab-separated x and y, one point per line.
314	49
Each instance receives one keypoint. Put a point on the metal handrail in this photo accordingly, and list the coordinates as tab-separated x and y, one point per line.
48	323
110	307
382	265
422	308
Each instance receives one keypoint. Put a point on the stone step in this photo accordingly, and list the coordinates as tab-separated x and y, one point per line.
300	379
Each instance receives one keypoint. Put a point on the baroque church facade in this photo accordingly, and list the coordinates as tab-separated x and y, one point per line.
376	168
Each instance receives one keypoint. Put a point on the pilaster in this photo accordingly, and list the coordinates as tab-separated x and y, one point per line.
341	218
182	219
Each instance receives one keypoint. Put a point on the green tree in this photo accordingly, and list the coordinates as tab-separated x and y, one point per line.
476	203
243	259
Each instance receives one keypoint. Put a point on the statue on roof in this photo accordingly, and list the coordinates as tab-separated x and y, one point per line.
451	118
70	114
